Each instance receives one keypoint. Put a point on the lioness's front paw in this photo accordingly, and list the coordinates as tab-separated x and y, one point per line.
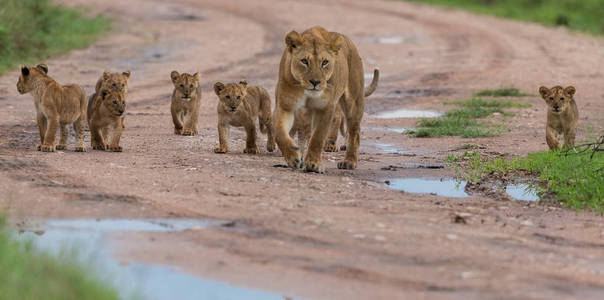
80	149
220	150
313	167
115	148
99	147
295	163
330	146
61	147
189	132
177	130
347	165
343	148
47	148
251	150
39	148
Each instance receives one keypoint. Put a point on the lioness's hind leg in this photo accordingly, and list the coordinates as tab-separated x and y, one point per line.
332	138
62	145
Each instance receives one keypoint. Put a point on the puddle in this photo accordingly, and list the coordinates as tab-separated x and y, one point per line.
389	129
521	191
434	186
406	113
91	240
390	149
395	39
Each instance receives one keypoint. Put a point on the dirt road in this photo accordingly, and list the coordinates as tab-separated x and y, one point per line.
342	235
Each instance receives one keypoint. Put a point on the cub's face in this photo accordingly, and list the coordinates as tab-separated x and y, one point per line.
231	95
24	84
116	81
114	101
312	61
185	84
557	98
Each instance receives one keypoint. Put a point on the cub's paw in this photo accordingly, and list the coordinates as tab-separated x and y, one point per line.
61	147
39	148
343	148
47	148
296	163
99	147
115	148
189	132
220	150
346	165
313	167
252	150
330	146
80	149
178	131
270	147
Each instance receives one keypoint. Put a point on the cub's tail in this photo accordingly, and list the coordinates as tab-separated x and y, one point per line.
374	83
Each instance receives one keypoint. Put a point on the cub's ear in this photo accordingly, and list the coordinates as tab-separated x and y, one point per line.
196	76
570	91
174	76
218	87
293	40
106	75
104	94
243	82
43	67
336	43
126	74
543	91
24	70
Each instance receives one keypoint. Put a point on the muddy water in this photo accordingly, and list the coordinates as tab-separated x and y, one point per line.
434	186
89	241
521	191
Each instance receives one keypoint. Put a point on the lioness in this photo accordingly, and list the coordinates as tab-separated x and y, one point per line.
186	99
319	70
105	113
56	106
562	115
239	105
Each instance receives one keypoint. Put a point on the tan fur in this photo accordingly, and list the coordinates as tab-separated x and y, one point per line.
111	81
56	106
239	105
562	115
106	114
302	127
186	100
318	71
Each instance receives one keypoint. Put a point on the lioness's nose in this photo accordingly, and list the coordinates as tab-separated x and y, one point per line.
315	82
121	111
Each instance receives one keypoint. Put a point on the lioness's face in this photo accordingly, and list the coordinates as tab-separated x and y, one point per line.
231	95
114	101
185	84
312	61
116	81
557	98
24	85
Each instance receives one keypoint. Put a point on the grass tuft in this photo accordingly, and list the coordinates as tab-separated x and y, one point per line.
33	30
507	92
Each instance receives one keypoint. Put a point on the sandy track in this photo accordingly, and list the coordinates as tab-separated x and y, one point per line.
342	235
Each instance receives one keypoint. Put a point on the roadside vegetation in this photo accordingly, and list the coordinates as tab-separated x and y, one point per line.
27	273
33	30
584	15
464	121
574	177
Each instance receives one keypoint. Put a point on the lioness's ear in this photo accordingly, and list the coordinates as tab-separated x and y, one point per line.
218	87
196	76
43	67
24	70
543	91
336	43
293	39
174	76
106	75
243	82
127	74
570	90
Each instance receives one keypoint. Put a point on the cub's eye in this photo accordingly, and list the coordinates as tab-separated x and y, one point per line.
551	98
562	99
324	63
114	85
114	102
228	97
190	86
304	61
182	85
238	97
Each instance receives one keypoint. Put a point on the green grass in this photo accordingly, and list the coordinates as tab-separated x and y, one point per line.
506	92
584	15
33	30
573	178
26	273
462	122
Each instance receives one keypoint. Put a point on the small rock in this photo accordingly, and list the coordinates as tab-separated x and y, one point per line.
528	223
380	225
452	237
359	236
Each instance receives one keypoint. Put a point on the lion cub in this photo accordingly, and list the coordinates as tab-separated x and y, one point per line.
56	106
113	81
106	113
186	100
239	105
562	115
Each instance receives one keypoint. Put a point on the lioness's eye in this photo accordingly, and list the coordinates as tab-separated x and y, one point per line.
238	97
190	86
551	98
324	63
114	84
562	99
182	85
114	102
228	97
304	61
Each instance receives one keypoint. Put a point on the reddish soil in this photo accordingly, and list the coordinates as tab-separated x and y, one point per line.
342	235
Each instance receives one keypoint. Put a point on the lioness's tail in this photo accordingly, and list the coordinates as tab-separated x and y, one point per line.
374	83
